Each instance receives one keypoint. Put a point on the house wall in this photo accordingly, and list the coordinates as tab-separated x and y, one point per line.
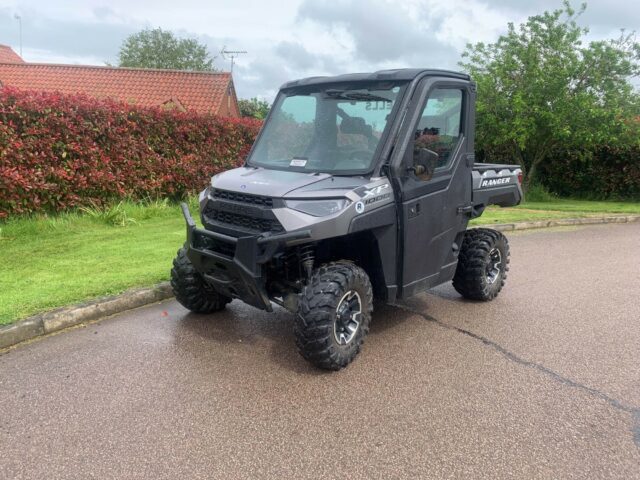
229	106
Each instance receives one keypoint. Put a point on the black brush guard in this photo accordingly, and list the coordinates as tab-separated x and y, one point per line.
238	275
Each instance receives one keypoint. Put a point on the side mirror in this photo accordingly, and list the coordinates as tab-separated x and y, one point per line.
425	162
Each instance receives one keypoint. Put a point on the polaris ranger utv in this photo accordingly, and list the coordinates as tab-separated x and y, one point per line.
358	187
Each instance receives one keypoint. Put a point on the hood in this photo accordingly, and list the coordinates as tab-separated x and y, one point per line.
277	183
329	187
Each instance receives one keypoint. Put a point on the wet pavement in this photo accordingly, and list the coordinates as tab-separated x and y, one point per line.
543	382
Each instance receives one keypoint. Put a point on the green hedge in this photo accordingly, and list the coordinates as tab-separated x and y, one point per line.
609	173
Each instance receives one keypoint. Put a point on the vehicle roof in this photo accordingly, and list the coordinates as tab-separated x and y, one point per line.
381	75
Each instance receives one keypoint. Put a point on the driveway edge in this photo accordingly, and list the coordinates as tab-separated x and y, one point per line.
65	317
562	222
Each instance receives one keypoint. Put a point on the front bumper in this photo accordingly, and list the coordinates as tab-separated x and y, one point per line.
234	265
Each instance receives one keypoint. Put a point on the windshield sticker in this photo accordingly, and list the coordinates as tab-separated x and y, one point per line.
298	162
378	105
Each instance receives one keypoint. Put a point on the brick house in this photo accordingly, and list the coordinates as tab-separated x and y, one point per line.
202	92
7	55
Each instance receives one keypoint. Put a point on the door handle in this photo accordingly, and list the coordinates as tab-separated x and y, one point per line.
414	210
471	159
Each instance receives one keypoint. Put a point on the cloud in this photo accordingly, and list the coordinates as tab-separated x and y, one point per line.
296	55
601	16
379	30
261	78
88	39
297	39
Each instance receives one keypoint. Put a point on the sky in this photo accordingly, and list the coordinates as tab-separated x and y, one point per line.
288	39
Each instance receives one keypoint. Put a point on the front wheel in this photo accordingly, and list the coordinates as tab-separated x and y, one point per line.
483	264
191	290
334	314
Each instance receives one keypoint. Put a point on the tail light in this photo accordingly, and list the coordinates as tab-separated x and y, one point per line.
520	177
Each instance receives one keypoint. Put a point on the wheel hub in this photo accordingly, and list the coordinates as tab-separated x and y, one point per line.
494	266
348	313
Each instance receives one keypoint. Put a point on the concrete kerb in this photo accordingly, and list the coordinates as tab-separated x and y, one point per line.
564	222
61	318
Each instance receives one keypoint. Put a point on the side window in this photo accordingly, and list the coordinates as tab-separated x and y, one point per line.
438	131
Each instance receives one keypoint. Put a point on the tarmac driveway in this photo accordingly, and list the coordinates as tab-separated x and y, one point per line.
543	382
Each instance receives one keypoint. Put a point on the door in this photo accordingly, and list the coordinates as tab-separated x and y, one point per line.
434	175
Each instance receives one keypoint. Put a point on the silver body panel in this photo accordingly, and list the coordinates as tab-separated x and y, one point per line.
260	181
364	194
494	177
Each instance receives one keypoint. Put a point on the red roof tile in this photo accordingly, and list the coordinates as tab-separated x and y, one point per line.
204	92
7	55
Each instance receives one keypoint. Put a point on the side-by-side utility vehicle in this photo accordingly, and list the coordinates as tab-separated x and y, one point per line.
358	187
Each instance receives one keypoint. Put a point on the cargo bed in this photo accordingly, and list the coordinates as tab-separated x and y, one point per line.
495	184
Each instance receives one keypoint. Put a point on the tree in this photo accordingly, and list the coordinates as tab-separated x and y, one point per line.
540	89
254	108
159	48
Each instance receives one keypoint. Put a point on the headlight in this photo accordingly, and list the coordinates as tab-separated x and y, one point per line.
318	208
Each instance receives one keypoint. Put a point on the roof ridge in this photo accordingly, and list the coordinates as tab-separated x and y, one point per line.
200	91
108	67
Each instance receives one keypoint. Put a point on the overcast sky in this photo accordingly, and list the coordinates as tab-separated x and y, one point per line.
290	38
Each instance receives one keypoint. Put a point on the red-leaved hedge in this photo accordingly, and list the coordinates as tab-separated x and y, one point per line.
60	151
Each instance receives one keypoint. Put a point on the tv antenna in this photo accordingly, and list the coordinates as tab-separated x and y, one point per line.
232	54
19	19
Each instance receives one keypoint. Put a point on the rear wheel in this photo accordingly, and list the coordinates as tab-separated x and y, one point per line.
483	264
334	314
190	288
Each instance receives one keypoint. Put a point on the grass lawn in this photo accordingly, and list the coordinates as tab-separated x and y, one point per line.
49	262
557	208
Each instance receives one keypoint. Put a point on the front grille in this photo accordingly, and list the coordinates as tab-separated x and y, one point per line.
257	225
219	246
242	197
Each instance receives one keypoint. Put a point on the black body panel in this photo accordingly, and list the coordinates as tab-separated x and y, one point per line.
504	196
406	74
382	222
234	265
431	216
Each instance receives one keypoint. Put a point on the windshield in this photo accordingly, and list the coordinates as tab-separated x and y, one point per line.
326	129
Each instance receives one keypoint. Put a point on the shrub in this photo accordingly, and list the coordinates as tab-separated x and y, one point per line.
609	173
65	151
605	172
115	215
539	193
